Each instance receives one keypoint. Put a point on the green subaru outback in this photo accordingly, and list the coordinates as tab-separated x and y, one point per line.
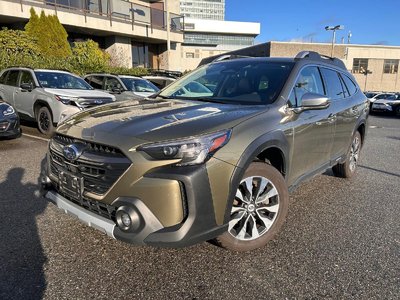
212	156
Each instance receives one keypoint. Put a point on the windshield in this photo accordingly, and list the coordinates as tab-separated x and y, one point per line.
58	80
249	81
139	85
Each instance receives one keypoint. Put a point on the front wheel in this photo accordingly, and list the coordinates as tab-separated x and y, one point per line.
259	209
45	121
348	168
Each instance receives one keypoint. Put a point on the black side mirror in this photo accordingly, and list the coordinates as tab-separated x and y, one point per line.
26	87
116	90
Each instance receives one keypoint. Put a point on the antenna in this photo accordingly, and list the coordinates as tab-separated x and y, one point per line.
349	35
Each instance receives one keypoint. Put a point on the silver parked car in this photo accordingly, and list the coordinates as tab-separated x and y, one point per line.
48	96
123	87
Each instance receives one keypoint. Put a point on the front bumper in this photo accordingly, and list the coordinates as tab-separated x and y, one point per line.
378	107
10	127
198	223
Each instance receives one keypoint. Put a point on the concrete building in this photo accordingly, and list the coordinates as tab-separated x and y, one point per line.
204	38
203	9
375	67
133	32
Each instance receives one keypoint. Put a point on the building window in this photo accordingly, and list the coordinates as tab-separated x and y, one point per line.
360	65
390	66
189	55
140	55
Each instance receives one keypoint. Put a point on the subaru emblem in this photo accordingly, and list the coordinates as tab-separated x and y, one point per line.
72	152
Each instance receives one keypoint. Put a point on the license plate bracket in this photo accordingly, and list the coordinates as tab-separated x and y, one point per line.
71	185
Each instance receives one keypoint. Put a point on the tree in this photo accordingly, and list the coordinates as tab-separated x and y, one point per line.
51	36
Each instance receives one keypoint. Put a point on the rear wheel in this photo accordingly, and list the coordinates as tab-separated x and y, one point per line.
45	121
259	209
348	168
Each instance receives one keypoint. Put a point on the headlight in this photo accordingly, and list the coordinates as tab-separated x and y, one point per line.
65	99
9	111
190	151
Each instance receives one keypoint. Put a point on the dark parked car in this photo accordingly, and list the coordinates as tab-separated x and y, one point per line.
213	156
9	121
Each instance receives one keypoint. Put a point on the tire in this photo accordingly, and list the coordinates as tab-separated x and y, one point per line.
265	211
348	168
44	120
397	111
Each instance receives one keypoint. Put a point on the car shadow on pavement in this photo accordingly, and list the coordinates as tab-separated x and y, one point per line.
21	253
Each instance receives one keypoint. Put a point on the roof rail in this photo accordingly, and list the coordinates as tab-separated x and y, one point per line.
229	56
316	56
26	67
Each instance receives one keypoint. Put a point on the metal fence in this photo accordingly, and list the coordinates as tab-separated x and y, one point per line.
113	10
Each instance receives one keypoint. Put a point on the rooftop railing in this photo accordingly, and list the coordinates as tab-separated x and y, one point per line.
112	10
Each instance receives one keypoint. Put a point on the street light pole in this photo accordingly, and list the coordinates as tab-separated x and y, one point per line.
334	28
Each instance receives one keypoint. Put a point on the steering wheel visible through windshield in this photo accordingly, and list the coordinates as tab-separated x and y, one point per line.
59	80
241	81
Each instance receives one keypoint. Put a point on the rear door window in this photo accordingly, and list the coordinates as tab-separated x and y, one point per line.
12	78
333	85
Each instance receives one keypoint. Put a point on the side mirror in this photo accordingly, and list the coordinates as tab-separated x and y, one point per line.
26	87
312	101
117	90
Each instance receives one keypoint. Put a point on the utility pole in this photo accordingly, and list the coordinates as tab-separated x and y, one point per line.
334	28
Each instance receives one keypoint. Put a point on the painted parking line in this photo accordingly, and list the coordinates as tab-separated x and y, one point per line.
35	137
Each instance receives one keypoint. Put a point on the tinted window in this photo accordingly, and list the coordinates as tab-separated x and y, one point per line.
58	80
309	81
243	81
26	77
333	84
112	83
95	81
12	78
3	77
139	85
351	87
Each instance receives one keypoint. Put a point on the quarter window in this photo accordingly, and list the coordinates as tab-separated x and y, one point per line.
333	84
390	66
12	78
360	65
3	77
351	87
309	81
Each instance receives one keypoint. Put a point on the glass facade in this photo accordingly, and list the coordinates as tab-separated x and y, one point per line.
217	39
203	9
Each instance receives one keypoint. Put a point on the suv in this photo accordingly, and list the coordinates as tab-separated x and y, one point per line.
48	96
186	167
124	87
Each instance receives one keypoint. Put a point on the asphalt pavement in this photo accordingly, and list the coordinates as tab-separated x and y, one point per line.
341	240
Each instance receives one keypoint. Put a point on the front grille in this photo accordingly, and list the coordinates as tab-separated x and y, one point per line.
91	102
99	166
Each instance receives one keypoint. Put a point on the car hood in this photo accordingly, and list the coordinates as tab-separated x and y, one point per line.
76	93
384	101
155	120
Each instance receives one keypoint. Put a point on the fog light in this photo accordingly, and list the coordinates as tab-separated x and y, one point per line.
126	219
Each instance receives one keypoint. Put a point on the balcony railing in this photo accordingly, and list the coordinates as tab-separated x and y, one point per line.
112	10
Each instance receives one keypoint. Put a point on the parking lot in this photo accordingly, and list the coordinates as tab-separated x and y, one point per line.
341	240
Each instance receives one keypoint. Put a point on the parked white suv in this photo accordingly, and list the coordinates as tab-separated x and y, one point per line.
48	96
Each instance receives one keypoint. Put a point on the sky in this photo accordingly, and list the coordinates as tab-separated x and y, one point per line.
370	21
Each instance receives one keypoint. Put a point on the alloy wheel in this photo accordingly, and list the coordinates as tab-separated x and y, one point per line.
254	209
354	153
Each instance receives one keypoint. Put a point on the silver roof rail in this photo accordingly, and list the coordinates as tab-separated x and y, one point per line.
324	58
